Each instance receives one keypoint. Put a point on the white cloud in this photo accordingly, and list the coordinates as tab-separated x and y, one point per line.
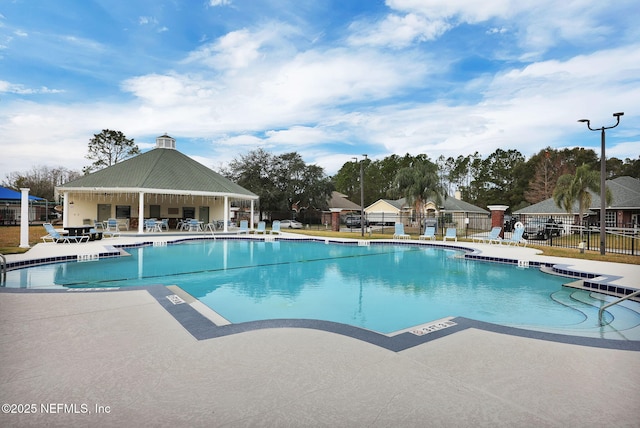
219	3
397	31
14	88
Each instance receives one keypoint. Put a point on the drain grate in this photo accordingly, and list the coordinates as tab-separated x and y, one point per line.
176	300
430	328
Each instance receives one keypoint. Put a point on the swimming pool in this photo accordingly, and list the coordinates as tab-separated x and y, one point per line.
385	288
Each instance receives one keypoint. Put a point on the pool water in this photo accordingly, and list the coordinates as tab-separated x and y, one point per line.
385	288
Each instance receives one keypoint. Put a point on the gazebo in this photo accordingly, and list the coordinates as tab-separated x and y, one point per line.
161	183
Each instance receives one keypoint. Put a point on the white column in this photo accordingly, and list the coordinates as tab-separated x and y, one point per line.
251	226
141	213
65	210
226	214
24	218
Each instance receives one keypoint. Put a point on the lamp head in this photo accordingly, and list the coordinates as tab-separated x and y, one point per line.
584	120
618	114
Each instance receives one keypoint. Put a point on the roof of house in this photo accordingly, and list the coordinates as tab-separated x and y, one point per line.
458	205
339	200
160	170
450	204
625	192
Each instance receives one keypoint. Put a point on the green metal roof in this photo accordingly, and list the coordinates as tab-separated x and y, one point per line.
160	170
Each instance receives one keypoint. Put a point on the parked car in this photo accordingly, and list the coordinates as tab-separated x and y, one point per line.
290	224
510	222
539	228
355	221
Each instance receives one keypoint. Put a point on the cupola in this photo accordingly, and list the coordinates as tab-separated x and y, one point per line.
165	142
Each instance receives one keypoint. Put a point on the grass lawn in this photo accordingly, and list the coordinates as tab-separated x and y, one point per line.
10	241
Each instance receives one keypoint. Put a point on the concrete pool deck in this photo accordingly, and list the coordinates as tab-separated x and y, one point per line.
126	360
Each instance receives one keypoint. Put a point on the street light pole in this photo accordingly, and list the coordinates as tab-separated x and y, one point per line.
362	194
603	171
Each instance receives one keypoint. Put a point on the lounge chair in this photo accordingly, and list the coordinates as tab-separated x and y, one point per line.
451	233
429	233
244	227
493	236
58	238
99	228
516	237
399	232
275	227
262	228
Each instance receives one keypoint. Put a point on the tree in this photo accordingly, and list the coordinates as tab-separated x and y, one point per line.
418	183
575	188
40	180
108	148
281	181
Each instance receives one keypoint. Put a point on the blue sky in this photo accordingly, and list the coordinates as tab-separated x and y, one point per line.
329	79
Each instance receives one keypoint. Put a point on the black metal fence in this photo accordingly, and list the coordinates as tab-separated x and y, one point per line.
618	240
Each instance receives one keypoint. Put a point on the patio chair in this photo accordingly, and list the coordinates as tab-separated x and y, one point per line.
112	225
151	225
516	237
262	228
58	238
493	236
399	232
429	233
165	224
451	233
275	227
244	227
195	225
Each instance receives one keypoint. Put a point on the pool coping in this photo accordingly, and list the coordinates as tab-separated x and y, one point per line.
202	328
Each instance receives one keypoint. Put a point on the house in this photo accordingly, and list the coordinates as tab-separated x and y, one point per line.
452	210
624	210
339	201
161	183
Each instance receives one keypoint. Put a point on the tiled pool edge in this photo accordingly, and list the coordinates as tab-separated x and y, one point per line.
202	328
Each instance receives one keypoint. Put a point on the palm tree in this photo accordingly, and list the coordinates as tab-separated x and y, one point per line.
575	188
418	183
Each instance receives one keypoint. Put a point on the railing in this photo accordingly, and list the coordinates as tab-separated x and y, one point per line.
3	270
608	305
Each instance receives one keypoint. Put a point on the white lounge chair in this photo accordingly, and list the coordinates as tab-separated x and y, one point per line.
262	228
58	238
494	236
244	227
516	237
275	227
451	233
98	227
399	232
429	233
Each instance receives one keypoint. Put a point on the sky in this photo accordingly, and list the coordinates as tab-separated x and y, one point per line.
328	79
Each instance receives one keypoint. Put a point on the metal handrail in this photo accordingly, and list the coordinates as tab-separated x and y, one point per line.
601	310
3	269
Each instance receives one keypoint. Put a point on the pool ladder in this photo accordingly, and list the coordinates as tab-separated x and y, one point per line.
615	302
3	270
